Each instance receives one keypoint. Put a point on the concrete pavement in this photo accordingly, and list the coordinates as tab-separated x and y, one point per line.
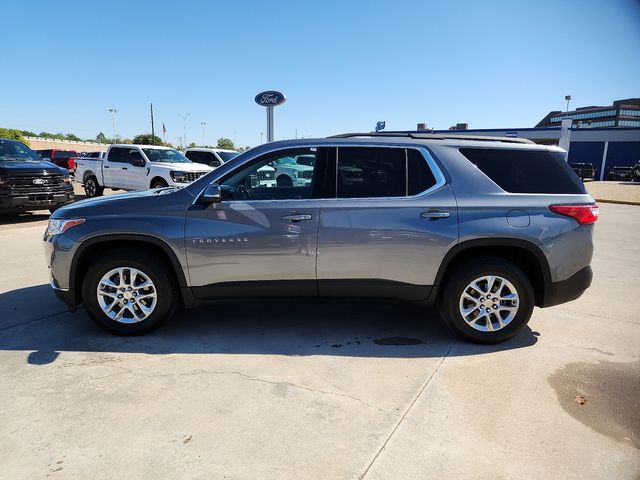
321	390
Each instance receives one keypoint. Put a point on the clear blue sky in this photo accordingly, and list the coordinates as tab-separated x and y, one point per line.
343	65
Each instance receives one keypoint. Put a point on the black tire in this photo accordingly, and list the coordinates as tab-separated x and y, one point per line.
158	183
165	288
462	275
92	188
284	181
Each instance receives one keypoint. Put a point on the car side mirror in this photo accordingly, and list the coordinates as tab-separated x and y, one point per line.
211	194
138	162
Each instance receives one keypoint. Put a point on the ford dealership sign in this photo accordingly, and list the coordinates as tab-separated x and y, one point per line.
270	99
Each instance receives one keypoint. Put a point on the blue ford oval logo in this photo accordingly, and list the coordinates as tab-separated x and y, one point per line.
39	181
270	99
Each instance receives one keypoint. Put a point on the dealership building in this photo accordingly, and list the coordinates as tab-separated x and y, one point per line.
603	136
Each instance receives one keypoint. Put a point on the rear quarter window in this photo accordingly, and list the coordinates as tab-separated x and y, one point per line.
526	171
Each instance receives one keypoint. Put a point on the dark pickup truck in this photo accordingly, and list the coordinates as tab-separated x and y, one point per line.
584	170
27	182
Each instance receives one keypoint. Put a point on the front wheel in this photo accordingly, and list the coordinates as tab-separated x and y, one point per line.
92	188
159	183
486	300
129	292
284	181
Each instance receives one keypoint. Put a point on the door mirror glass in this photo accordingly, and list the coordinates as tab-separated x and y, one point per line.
211	194
138	162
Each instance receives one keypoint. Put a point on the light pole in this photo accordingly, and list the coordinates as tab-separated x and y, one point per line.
184	127
568	99
113	120
261	134
204	124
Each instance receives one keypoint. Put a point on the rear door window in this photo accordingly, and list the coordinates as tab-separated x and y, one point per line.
370	172
118	155
374	172
526	171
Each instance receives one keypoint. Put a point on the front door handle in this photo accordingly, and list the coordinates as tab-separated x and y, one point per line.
434	214
125	168
297	217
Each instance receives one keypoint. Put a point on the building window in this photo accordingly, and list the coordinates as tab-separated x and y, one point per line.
629	123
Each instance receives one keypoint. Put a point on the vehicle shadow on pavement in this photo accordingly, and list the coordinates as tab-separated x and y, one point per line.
386	330
18	218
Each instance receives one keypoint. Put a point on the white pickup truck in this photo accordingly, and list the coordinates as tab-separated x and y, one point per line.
137	167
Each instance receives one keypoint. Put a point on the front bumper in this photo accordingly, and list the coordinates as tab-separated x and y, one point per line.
567	290
66	295
35	201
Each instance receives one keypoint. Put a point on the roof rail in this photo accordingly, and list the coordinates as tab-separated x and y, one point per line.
434	136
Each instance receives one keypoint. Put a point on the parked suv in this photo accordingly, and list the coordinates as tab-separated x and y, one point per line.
27	182
482	228
214	157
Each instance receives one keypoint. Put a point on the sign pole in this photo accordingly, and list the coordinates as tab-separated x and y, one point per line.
270	124
270	99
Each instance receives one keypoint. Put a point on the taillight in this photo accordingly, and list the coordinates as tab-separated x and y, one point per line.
71	163
583	214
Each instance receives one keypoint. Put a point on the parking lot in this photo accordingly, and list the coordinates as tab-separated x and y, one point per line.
321	390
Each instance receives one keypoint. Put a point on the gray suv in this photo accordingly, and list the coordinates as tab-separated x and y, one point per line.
483	228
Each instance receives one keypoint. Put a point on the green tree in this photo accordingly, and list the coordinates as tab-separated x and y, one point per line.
101	138
147	139
72	137
12	134
28	133
226	143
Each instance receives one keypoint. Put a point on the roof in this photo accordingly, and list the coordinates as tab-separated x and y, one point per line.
205	149
434	136
129	145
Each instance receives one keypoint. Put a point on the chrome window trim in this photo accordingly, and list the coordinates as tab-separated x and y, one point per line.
435	169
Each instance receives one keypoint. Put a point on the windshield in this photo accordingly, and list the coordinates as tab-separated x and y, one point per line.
165	156
286	161
17	151
226	156
65	154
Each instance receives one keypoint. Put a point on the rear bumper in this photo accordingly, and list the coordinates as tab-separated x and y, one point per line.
36	201
567	290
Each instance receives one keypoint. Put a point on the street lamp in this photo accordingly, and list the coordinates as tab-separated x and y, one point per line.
568	99
204	124
184	127
113	119
261	134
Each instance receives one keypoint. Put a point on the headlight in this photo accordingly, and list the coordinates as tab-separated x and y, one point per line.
295	173
179	176
67	179
58	226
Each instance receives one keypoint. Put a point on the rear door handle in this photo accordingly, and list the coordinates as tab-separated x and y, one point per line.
105	166
125	168
297	217
434	214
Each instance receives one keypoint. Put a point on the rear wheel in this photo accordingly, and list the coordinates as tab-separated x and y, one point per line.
129	293
487	300
92	188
